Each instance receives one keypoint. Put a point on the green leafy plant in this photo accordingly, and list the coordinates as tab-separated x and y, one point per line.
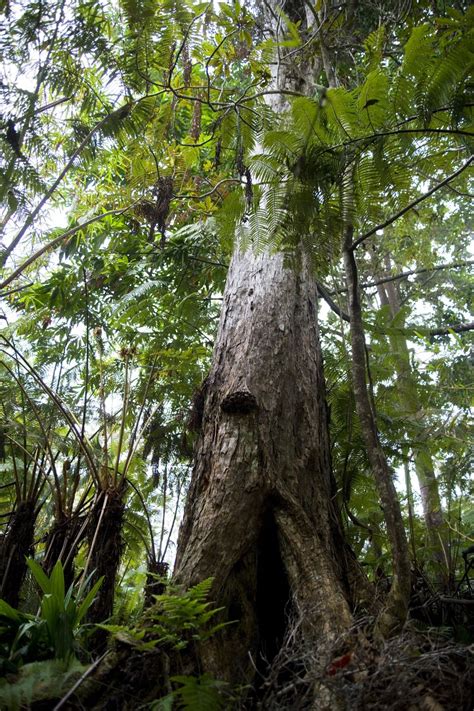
52	633
176	619
62	611
39	681
196	693
180	618
23	638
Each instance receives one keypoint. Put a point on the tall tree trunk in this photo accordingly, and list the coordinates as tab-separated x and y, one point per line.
396	608
429	489
260	514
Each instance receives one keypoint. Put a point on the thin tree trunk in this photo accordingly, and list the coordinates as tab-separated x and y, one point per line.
429	489
394	614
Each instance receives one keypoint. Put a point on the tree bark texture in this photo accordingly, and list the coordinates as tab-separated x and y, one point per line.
395	612
16	547
260	517
61	544
105	550
429	489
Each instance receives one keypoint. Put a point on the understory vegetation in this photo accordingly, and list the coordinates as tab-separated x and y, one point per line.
143	143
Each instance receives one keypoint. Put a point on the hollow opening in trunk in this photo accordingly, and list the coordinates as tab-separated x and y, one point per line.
273	593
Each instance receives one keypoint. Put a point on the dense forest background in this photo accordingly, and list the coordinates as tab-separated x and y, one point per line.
187	189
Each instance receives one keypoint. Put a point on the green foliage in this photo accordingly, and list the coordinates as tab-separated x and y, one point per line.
385	129
117	319
51	633
201	693
22	638
62	610
177	619
39	682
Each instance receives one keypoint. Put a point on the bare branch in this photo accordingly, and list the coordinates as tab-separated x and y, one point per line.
210	192
408	273
52	104
322	291
455	328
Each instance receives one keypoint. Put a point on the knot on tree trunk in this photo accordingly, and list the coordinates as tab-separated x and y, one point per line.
240	402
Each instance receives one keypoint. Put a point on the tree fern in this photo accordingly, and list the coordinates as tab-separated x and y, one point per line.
447	73
308	122
417	53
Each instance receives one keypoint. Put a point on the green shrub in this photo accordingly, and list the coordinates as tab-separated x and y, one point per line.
52	633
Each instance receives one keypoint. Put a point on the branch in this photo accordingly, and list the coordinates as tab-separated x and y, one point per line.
413	204
81	679
322	291
395	132
455	328
17	289
456	601
210	192
52	104
57	240
185	37
417	330
440	109
283	92
31	217
408	273
209	59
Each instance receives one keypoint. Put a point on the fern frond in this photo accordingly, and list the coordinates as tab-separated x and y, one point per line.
341	110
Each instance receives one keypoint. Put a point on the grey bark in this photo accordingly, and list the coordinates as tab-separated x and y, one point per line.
260	516
429	489
394	614
260	509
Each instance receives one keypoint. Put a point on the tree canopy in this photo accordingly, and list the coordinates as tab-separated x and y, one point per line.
140	142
